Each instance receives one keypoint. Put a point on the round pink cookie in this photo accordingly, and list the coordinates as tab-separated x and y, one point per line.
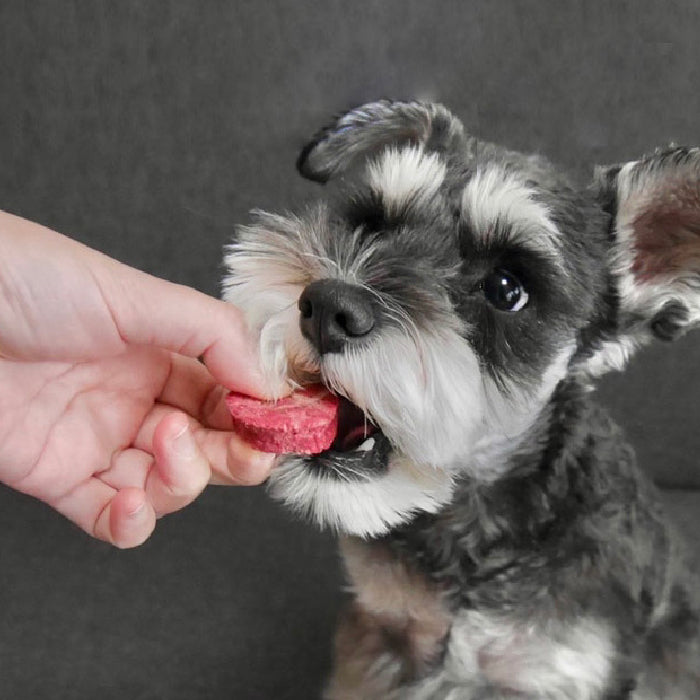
304	422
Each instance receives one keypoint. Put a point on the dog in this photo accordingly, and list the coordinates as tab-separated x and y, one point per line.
461	299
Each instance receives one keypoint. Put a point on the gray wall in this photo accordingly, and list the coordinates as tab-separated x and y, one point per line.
148	130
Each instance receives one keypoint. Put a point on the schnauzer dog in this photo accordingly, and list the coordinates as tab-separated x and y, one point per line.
461	299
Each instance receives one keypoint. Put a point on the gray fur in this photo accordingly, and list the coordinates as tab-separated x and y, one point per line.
499	539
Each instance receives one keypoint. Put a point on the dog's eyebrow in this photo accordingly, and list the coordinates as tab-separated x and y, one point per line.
497	200
402	177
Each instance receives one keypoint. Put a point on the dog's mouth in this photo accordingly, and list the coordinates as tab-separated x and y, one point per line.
355	429
359	450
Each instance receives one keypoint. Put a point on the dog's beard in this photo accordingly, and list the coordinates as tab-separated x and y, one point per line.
440	413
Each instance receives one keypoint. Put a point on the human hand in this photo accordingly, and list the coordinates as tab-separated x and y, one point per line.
106	414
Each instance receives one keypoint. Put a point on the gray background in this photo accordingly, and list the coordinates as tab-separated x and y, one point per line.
148	130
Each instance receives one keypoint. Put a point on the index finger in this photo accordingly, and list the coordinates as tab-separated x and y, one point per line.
191	388
148	310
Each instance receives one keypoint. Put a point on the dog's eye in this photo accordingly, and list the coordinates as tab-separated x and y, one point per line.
504	291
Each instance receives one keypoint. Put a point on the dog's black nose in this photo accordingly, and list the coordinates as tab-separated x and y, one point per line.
334	313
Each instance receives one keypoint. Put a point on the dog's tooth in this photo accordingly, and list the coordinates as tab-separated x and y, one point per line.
366	446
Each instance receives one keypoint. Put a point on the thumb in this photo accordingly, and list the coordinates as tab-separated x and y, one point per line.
151	311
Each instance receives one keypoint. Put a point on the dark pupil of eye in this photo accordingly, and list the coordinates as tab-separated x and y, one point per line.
502	290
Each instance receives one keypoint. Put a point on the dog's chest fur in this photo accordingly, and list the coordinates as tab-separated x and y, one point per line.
413	613
402	631
395	628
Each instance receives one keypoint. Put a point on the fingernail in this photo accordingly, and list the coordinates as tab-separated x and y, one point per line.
250	454
264	460
184	444
139	513
261	461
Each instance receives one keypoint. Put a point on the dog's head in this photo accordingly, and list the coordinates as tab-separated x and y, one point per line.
444	290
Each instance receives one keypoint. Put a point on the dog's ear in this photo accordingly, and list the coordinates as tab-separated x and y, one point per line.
655	205
366	130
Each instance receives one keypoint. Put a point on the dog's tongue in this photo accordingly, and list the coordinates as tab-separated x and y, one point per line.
304	422
353	427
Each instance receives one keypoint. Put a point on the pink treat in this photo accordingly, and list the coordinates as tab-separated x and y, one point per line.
306	421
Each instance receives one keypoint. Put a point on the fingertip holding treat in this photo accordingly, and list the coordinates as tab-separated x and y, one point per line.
234	360
234	363
246	465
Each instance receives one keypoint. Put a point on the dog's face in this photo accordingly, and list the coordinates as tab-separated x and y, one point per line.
444	291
